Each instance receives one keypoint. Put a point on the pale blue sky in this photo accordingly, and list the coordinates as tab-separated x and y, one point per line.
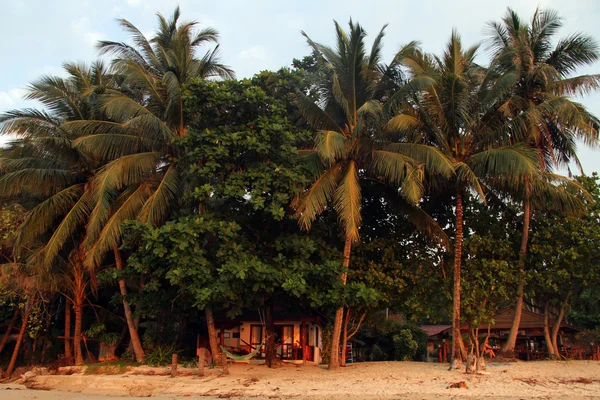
38	35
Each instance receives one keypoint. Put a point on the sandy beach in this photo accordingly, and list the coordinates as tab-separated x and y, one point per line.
382	380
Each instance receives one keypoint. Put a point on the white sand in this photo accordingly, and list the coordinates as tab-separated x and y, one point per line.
385	380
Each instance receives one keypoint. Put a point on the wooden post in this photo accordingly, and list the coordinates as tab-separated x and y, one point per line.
174	365
201	361
224	362
303	341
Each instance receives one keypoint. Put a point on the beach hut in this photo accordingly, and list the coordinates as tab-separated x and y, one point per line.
298	334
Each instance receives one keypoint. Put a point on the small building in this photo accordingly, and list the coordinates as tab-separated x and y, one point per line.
298	334
531	343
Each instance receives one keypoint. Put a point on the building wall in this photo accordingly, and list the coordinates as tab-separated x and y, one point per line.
315	335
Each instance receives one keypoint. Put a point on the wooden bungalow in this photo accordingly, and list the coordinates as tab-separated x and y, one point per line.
531	343
298	334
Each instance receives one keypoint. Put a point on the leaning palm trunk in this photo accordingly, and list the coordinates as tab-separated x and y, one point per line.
13	359
508	350
456	359
9	329
334	358
133	332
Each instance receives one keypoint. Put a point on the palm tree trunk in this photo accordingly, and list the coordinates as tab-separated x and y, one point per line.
212	335
334	358
547	335
9	329
13	359
456	358
68	347
508	350
78	306
133	332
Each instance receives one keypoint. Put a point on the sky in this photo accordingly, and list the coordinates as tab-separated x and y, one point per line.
39	35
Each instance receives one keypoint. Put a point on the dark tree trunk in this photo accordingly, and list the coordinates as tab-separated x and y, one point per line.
9	330
68	345
13	359
133	331
456	358
345	338
547	335
508	350
212	336
270	356
334	357
556	326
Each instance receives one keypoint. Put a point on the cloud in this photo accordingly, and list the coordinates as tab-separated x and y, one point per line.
257	52
6	101
133	3
11	99
82	28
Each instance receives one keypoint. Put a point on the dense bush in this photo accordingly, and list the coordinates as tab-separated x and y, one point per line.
390	340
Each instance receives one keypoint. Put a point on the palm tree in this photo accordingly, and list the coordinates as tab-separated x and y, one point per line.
348	145
445	104
43	167
140	177
535	77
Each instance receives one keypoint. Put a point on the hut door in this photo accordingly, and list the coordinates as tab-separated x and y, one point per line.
256	335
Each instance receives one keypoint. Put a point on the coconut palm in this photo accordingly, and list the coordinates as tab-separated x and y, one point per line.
42	167
536	77
139	178
446	104
348	145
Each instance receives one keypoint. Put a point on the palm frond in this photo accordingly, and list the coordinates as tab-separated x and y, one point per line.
330	145
315	116
70	222
316	199
42	217
128	205
347	202
163	198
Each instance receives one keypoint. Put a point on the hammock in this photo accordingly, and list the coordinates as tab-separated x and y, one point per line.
242	358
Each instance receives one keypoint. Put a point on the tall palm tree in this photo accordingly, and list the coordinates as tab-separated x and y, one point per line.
140	176
43	167
349	146
445	104
536	77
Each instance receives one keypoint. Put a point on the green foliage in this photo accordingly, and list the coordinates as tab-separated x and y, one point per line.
160	356
405	347
387	339
98	331
564	255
